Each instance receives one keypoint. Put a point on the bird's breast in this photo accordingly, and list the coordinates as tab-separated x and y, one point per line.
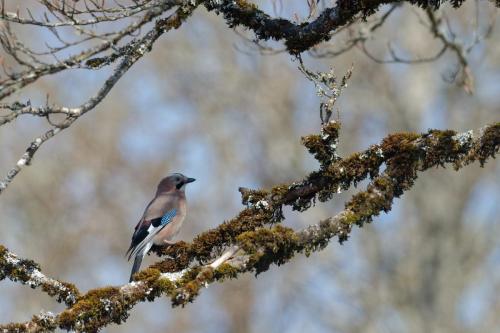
171	229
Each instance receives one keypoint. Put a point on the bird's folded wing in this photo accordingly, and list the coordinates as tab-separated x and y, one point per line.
146	233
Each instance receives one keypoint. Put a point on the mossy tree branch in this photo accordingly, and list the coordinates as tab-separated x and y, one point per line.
255	247
301	37
245	243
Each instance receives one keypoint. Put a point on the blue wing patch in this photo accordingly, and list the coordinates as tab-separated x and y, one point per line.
168	217
164	220
144	235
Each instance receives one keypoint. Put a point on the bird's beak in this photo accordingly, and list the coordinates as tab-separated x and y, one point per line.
189	180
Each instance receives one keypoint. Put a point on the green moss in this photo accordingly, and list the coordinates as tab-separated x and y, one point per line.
248	219
96	62
175	21
171	265
96	294
151	276
489	144
204	244
313	143
350	218
68	296
442	148
323	147
44	324
165	286
91	310
19	272
273	196
442	134
147	275
397	142
246	5
190	284
190	275
402	157
332	128
251	197
378	197
192	288
278	192
267	246
250	241
206	275
225	271
15	328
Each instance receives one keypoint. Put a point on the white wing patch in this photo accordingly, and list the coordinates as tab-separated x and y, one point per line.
147	242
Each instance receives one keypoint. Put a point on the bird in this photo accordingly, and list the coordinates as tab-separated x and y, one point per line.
161	220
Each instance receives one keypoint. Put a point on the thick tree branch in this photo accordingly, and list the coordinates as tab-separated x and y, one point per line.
255	248
301	37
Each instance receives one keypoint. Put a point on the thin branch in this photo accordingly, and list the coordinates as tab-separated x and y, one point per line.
123	13
136	51
17	81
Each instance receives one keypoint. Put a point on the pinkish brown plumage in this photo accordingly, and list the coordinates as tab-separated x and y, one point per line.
162	218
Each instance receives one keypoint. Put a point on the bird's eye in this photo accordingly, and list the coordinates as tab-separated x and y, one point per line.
177	179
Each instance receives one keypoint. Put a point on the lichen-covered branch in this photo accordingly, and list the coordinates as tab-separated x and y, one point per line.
28	272
250	246
403	154
301	37
254	239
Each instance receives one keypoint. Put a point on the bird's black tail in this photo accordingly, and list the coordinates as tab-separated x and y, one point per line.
136	266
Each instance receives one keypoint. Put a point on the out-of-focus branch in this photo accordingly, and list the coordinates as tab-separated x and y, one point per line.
437	23
16	109
136	50
358	37
67	13
466	78
16	81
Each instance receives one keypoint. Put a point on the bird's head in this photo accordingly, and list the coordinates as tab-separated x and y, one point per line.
174	182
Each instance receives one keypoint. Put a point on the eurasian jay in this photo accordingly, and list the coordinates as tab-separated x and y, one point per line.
161	220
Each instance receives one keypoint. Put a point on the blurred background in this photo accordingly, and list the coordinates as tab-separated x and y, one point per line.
206	103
